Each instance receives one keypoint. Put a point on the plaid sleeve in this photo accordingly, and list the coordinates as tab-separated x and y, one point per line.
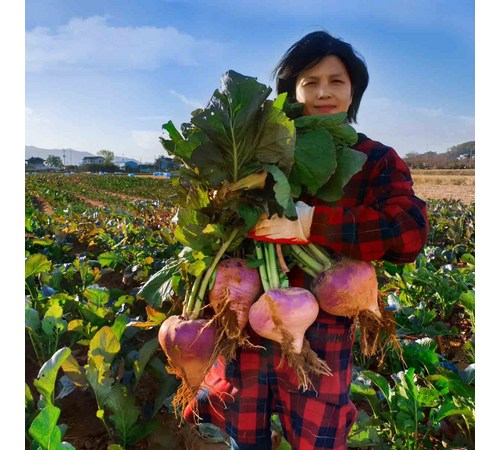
389	222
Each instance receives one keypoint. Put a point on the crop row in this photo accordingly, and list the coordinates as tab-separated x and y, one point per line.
86	319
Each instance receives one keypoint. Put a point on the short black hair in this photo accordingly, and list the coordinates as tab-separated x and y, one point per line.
309	51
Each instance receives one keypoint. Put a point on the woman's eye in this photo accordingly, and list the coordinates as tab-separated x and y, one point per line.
336	81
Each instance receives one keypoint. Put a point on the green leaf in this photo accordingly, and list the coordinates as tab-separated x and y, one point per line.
250	214
52	322
45	382
103	347
468	300
428	397
197	197
379	381
100	379
159	286
74	372
195	230
282	191
362	390
307	123
124	411
119	325
342	133
277	141
97	297
211	163
44	242
178	146
349	162
315	160
36	264
31	319
448	408
29	401
169	384
231	121
110	259
44	428
198	267
146	352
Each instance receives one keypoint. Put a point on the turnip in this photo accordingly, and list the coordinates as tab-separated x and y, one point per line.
283	314
191	342
189	346
236	286
346	287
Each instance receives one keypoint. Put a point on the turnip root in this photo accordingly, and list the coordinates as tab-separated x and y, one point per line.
348	287
283	314
190	348
236	287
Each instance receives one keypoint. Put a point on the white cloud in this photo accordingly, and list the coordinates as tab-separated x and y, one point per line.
185	100
93	43
413	129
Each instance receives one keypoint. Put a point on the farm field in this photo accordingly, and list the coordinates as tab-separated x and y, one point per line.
445	184
91	243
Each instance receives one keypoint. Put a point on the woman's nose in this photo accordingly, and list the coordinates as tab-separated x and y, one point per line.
324	92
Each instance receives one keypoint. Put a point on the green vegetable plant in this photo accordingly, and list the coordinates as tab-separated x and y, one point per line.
410	413
113	371
44	433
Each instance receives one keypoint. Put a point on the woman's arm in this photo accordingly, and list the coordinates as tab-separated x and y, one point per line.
391	224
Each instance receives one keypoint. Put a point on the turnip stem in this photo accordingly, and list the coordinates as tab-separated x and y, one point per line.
320	255
306	260
307	269
200	295
273	267
268	265
192	297
262	267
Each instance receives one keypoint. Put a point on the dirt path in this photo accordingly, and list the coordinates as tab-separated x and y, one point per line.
445	191
43	205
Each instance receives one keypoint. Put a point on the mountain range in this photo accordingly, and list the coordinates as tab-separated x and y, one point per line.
68	155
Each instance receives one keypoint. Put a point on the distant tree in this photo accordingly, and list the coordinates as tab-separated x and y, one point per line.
108	156
54	161
460	156
99	168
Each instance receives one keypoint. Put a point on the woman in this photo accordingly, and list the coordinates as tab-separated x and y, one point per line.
378	217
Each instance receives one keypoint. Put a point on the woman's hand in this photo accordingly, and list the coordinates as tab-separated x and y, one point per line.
281	230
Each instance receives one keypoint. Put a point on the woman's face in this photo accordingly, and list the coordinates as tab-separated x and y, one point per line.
324	88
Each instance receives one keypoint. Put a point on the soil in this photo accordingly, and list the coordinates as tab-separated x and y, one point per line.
445	191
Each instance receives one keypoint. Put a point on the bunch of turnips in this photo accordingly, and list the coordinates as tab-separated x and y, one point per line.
244	157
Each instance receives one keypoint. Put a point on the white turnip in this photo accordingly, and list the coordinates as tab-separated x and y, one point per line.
283	314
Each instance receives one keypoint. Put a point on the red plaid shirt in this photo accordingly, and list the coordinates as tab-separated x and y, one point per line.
379	217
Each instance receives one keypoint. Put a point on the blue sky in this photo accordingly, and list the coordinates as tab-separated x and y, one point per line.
108	74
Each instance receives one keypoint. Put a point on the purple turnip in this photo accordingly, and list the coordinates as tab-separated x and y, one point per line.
235	288
190	348
348	287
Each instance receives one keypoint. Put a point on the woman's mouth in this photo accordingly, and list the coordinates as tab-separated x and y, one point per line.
325	109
